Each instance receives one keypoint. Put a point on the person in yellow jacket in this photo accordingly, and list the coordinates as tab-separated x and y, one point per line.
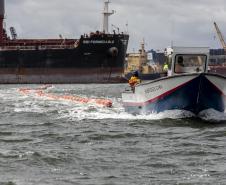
134	80
165	67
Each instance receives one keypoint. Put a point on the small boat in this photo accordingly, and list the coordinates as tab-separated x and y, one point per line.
188	86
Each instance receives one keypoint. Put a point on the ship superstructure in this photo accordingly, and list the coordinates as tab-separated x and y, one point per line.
143	62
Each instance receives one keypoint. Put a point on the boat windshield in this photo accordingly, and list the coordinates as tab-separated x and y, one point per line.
190	63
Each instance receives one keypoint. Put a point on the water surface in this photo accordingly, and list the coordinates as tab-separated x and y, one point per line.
53	141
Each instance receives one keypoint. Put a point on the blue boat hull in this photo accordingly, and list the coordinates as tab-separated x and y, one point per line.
196	95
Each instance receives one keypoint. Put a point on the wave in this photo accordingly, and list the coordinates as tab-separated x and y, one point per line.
31	103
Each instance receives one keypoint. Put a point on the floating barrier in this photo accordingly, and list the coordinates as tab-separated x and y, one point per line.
77	99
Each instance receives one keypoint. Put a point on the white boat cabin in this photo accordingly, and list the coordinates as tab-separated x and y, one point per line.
187	60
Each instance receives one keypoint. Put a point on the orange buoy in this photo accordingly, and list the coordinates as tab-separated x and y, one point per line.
77	99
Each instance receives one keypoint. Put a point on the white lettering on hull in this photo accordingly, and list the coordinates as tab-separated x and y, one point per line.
98	42
153	89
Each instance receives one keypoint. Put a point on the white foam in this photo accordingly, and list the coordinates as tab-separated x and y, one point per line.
212	115
117	112
78	111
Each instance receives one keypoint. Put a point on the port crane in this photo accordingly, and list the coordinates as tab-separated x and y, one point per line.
221	38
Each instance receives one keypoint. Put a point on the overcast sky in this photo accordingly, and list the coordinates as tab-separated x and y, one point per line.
158	22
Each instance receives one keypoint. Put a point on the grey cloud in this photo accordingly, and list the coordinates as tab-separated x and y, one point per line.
159	22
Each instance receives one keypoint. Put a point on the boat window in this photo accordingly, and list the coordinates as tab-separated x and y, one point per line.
190	63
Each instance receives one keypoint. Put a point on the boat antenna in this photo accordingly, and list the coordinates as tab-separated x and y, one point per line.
171	43
172	33
106	15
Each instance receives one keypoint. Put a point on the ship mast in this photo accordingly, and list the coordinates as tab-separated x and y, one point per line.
2	13
106	15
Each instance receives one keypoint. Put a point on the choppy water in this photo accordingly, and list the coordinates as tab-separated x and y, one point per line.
45	141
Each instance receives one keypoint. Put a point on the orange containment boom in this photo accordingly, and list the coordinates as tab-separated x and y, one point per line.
77	99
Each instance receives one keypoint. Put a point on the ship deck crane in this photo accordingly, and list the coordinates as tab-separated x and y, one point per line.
115	27
221	38
13	33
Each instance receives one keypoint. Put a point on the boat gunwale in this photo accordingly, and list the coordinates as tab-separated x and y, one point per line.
176	76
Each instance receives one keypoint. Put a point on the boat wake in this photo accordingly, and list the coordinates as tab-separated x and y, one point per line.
73	110
119	113
212	115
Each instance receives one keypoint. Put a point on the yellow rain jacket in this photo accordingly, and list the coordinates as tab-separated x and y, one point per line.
134	81
165	67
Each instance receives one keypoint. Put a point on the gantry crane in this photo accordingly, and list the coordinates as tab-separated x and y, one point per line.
221	38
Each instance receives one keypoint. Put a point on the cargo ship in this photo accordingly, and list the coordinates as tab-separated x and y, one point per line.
96	57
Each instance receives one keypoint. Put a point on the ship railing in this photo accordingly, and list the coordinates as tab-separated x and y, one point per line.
40	47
